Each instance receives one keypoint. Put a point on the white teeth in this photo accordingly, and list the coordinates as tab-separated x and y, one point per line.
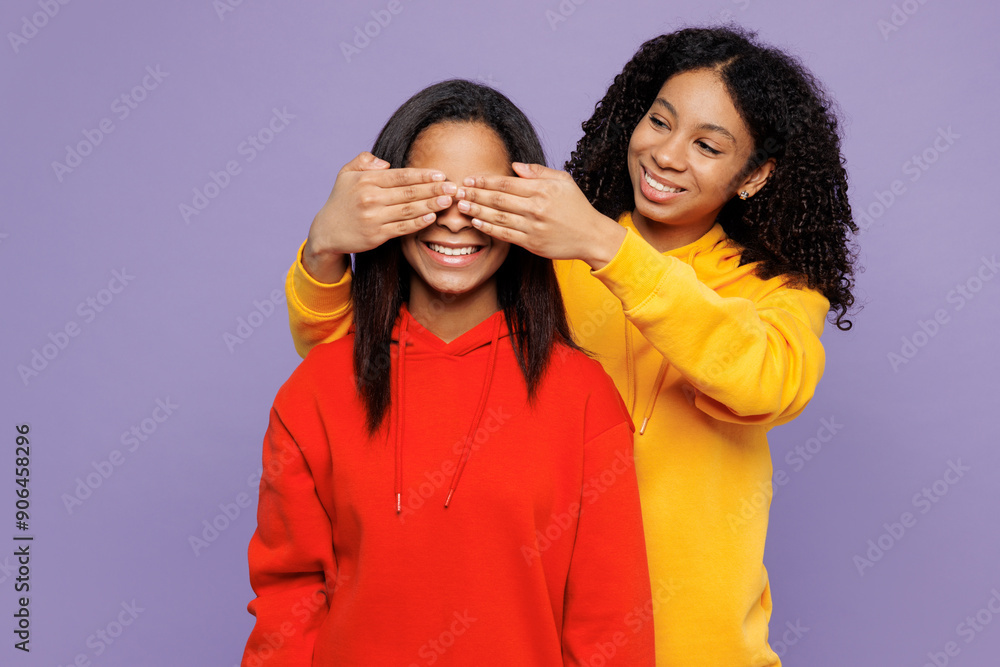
444	250
659	186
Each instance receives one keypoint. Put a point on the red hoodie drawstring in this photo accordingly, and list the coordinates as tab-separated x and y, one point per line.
467	449
399	414
477	418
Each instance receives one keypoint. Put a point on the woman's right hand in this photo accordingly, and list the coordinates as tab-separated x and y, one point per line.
370	204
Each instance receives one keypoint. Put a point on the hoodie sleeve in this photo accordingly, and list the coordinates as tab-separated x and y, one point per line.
608	584
317	312
291	558
753	359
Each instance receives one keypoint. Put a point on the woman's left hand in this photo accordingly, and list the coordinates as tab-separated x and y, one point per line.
544	212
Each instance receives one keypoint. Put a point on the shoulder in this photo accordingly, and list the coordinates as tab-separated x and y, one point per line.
719	262
329	367
583	383
575	366
719	267
332	353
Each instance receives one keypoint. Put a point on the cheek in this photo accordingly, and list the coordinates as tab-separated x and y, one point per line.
634	146
721	182
410	251
500	253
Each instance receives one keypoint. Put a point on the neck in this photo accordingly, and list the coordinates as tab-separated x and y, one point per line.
448	316
665	237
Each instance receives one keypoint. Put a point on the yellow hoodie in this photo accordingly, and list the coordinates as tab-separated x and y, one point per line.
708	357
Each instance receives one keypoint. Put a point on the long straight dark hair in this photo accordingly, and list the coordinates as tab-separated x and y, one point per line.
527	290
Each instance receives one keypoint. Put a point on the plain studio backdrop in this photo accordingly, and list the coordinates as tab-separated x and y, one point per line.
162	162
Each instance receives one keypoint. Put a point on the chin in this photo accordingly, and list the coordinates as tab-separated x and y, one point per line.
646	208
453	288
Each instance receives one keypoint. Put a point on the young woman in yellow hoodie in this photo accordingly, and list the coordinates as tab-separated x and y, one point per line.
701	238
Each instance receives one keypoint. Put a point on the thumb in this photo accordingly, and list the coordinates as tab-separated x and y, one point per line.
366	162
532	170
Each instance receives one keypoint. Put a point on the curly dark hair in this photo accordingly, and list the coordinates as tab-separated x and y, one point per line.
798	224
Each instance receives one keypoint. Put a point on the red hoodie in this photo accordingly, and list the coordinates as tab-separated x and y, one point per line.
539	558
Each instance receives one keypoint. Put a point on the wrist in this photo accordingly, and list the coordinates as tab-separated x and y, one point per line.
325	266
606	240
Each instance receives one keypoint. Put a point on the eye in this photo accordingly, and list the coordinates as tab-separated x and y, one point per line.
658	123
708	148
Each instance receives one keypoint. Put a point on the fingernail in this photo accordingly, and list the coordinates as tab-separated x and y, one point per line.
379	162
449	188
464	206
469	181
429	217
477	223
461	193
444	201
437	177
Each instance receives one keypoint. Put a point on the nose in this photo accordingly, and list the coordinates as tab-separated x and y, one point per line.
452	219
668	152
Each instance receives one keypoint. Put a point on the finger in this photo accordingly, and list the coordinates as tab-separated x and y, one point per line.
404	227
504	184
501	233
403	194
535	171
401	177
471	201
494	216
365	162
389	215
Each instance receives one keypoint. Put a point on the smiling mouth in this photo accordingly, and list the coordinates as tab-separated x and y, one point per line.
656	185
453	251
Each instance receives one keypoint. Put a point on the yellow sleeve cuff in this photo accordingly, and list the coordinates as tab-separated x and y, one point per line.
314	297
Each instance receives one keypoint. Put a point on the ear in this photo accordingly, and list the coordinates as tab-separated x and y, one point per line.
758	177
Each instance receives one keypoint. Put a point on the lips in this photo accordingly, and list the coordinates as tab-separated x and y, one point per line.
453	250
661	184
452	254
657	189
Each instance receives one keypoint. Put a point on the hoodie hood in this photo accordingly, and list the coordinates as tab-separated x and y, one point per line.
411	339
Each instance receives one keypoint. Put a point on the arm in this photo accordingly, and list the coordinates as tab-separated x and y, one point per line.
291	557
608	582
317	312
754	359
750	360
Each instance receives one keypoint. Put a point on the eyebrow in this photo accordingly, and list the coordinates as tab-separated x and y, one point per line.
704	126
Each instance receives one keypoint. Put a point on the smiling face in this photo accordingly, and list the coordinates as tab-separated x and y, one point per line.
684	158
451	257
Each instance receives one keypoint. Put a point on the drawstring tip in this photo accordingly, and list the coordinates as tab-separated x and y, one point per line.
448	499
399	503
642	429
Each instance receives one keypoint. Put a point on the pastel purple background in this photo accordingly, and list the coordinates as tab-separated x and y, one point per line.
163	336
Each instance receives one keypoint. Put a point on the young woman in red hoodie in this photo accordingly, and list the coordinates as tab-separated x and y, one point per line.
469	498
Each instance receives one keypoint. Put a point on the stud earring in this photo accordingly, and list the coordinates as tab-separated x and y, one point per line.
744	195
